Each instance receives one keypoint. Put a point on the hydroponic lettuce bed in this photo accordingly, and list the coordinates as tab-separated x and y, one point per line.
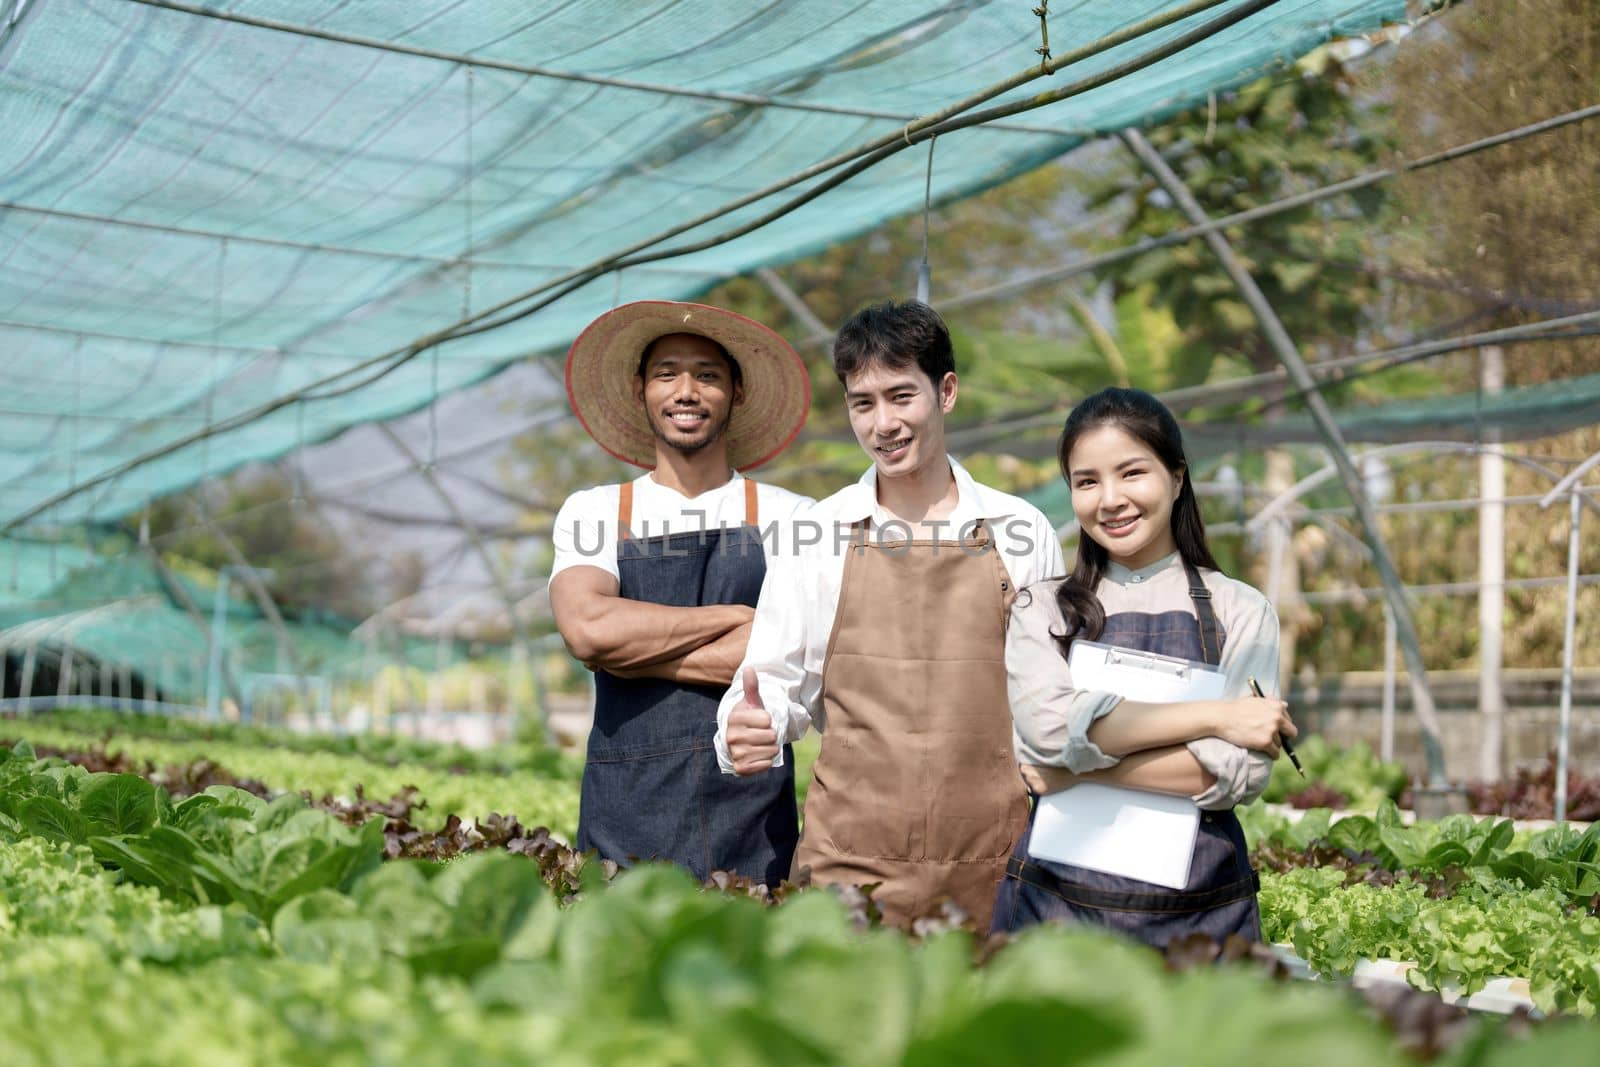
221	919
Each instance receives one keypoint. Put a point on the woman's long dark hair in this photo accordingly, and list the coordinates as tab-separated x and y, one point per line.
1146	419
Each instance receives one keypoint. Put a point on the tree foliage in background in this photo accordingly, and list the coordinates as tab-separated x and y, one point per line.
1016	355
1283	134
1300	128
545	464
1009	356
1502	237
1509	233
313	570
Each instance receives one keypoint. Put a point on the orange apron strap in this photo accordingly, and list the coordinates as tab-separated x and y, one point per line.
624	511
752	508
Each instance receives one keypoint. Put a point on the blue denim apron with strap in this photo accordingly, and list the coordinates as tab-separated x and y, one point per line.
652	789
1220	897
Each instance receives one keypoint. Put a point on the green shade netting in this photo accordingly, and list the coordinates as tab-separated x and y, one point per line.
1528	411
200	219
117	611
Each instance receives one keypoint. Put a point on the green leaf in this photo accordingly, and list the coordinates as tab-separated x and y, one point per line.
134	863
460	957
191	810
1293	276
1233	315
1357	833
1495	841
493	894
180	853
1402	848
1522	866
48	817
117	804
233	796
1019	1031
325	925
302	850
1444	854
279	811
1388	816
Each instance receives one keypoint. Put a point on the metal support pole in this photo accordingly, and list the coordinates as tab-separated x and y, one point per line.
436	677
1568	652
815	327
1386	738
181	597
1492	580
255	580
30	663
219	617
1322	416
64	674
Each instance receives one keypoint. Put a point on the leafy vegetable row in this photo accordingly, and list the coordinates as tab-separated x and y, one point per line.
1480	930
390	749
1335	777
1457	849
478	962
550	801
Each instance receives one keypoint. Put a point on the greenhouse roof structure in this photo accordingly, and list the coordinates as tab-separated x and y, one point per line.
230	230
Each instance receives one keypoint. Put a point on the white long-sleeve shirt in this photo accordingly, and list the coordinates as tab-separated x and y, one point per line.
789	637
1051	717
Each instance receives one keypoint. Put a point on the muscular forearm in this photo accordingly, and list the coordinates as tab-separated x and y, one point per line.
625	635
1135	727
710	664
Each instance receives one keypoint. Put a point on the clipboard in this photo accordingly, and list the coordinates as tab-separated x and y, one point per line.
1126	832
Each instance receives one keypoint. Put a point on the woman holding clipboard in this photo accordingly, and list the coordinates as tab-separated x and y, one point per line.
1144	580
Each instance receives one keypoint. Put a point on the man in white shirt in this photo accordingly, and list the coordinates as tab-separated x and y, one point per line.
655	580
887	634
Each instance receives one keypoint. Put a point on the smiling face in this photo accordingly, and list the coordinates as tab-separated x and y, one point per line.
898	416
1122	495
688	392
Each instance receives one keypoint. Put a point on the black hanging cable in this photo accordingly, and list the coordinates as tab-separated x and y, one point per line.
924	271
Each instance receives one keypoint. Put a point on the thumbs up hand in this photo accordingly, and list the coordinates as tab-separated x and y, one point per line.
752	742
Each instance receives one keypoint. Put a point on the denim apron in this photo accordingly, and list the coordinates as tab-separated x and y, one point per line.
652	789
916	788
1220	897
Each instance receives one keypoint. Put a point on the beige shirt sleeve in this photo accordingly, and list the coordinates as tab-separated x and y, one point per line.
1251	651
1050	719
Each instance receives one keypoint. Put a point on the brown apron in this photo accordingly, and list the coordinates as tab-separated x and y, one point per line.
916	786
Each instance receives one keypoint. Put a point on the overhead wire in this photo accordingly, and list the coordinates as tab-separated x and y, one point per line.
376	367
537	71
381	369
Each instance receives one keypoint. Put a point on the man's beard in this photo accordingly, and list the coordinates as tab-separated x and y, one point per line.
691	447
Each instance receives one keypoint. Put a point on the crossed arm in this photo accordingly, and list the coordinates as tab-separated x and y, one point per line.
1179	749
1169	769
1066	736
637	639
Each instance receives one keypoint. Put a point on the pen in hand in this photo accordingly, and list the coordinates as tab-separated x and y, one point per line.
1288	749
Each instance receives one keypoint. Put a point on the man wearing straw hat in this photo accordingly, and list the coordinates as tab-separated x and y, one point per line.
655	580
888	636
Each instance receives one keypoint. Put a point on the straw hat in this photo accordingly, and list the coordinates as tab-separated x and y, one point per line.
603	362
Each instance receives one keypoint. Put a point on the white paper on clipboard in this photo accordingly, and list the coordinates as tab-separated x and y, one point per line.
1127	832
